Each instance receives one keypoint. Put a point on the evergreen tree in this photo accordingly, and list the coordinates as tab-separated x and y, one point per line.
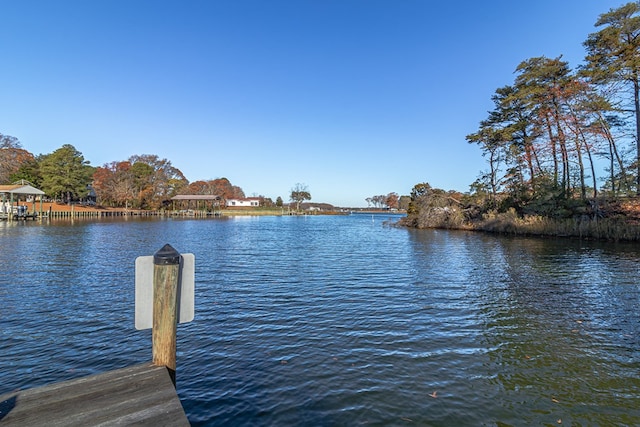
65	174
613	60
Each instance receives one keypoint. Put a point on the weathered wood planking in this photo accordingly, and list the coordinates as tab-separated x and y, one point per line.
138	395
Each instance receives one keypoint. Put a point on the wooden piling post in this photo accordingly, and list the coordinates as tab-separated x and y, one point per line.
11	208
166	269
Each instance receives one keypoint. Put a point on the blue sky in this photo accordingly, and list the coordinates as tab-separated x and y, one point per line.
353	98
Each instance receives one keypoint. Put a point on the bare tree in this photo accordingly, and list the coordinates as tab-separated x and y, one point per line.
299	193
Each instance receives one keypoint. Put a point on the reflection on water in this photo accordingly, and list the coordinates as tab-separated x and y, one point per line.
338	320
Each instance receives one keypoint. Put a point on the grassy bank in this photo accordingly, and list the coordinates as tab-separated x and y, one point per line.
614	228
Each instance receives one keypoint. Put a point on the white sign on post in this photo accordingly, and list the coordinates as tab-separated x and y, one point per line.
144	290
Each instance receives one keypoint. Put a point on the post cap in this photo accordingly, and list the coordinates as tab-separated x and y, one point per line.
167	255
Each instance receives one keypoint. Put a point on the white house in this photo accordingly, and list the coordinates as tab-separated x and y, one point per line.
250	202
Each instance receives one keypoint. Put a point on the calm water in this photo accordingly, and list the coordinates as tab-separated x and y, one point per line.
329	321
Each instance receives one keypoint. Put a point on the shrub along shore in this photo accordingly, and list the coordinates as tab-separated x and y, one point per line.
562	145
610	220
611	229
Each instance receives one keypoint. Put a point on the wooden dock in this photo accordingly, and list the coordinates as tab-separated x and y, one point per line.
141	395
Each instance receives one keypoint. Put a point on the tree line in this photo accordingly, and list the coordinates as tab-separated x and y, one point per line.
552	126
389	201
141	182
65	174
558	141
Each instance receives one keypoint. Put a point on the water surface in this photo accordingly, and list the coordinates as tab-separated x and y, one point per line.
337	320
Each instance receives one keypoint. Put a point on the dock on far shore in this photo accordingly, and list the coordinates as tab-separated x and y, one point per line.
138	395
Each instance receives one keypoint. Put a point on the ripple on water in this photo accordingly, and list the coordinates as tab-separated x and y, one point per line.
339	321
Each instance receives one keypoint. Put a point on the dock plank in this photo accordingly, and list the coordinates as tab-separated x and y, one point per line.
140	395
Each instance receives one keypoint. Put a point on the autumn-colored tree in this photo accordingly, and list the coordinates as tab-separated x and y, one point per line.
199	187
267	202
143	181
114	184
155	180
12	157
217	187
101	184
223	188
392	200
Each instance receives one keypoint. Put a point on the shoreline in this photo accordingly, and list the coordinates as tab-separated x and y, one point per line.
598	229
60	210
